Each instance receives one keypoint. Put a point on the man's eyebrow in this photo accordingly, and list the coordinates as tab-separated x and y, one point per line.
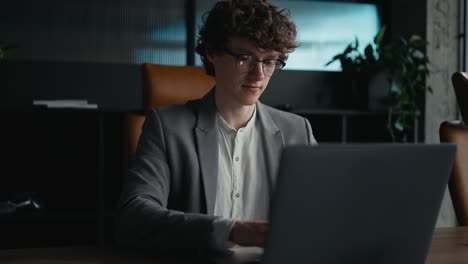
266	56
246	51
270	56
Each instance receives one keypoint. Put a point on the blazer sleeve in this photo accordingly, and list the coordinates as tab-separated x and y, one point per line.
143	220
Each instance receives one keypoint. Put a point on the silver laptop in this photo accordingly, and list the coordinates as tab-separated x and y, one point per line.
357	203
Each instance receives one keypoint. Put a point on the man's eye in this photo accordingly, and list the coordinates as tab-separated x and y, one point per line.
271	63
244	57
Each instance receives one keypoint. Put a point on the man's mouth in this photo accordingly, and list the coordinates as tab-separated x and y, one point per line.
251	87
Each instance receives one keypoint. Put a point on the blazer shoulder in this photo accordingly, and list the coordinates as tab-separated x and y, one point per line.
174	115
183	108
295	128
282	117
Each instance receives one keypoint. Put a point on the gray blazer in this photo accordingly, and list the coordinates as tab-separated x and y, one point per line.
169	193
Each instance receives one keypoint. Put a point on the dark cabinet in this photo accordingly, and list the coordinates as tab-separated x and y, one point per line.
63	160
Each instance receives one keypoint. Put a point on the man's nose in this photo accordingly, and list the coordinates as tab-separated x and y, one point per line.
256	70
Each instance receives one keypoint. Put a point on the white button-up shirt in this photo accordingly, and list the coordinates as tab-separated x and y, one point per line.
243	189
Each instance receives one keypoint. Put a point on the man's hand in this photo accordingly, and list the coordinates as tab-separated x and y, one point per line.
249	233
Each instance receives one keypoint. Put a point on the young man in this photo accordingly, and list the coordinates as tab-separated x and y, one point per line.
204	171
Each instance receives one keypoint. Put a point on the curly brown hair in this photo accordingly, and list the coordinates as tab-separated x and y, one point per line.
267	26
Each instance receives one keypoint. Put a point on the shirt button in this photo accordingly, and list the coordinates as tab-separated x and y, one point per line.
237	195
237	158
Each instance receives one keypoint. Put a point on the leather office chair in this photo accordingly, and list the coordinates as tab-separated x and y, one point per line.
164	85
457	132
460	85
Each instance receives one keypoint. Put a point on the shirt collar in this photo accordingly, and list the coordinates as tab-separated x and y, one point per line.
228	128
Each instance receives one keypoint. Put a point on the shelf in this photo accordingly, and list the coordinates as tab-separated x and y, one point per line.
351	126
340	112
48	216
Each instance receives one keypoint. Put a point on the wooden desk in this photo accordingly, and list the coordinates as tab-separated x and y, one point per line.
449	246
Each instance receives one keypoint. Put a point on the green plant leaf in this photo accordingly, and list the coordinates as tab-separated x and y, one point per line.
378	38
369	53
348	49
337	57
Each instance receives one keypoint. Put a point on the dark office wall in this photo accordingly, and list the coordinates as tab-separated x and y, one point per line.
104	31
408	17
90	50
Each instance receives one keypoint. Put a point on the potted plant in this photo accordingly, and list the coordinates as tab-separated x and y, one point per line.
358	69
405	65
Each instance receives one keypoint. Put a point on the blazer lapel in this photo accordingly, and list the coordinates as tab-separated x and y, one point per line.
273	144
207	146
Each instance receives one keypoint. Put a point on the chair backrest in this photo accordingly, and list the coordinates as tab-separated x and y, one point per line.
456	132
460	85
162	85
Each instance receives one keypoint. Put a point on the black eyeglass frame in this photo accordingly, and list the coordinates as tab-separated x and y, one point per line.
237	56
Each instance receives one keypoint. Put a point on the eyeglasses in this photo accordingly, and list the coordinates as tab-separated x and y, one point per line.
246	62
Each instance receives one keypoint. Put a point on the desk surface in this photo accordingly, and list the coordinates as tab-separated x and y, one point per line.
449	246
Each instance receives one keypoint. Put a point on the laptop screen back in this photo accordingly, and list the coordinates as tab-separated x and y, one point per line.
357	203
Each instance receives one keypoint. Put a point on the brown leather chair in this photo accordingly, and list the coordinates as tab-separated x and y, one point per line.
456	131
164	85
460	85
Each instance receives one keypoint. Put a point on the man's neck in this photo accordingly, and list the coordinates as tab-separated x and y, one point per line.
236	116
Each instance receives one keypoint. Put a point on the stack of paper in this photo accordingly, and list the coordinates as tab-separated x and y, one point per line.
66	103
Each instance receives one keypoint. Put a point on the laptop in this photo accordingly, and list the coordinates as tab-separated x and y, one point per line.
357	203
